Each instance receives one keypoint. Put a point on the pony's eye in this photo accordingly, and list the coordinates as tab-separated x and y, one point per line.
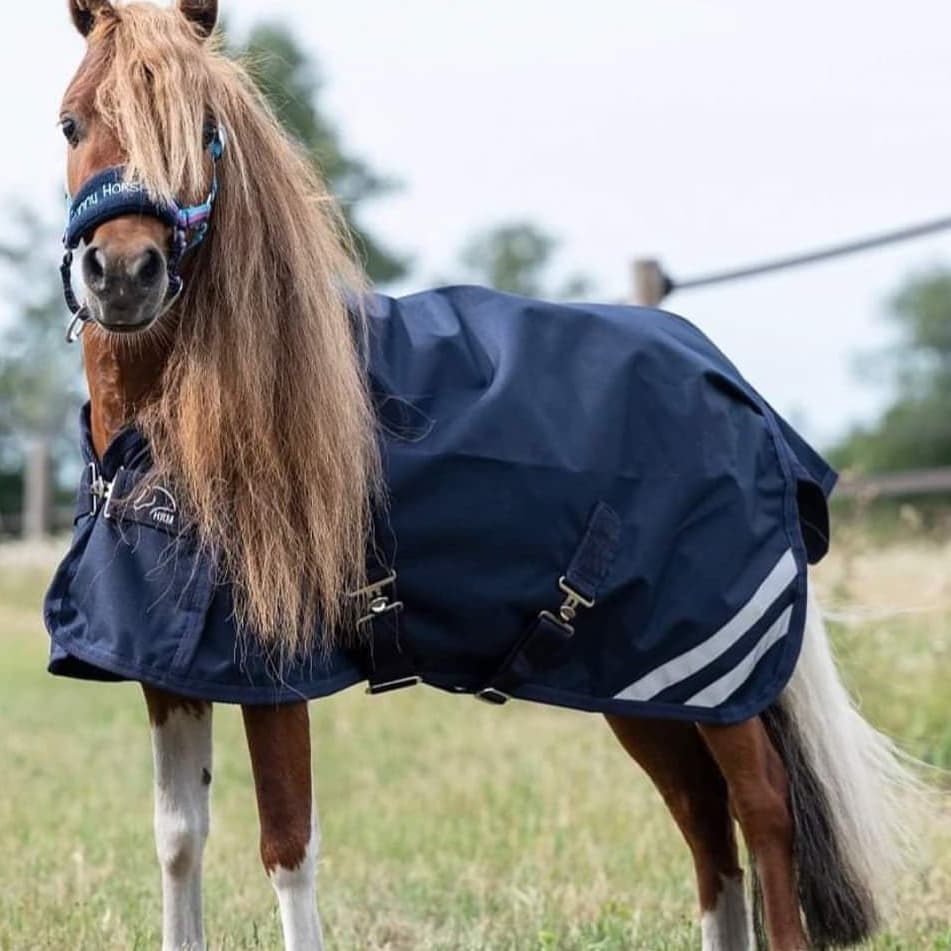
70	130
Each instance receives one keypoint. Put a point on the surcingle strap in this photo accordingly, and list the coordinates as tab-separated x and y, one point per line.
389	665
542	642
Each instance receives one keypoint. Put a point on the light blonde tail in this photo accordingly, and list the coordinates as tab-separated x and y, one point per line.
854	796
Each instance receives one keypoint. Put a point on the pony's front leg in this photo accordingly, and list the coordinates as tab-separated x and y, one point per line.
181	749
279	743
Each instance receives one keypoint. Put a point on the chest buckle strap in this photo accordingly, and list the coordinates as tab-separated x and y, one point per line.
100	491
541	644
390	666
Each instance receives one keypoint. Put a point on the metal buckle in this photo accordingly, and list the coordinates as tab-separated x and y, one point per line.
492	696
76	327
397	684
99	489
378	602
375	588
378	607
569	607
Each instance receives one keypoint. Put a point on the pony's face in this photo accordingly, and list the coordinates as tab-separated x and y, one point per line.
124	261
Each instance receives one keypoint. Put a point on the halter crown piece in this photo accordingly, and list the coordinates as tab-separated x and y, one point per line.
108	195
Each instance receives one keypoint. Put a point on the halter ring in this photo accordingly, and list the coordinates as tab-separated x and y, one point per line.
78	325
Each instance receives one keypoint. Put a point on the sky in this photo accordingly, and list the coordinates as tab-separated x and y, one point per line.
706	134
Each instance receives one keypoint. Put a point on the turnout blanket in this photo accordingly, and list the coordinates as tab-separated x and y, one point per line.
589	507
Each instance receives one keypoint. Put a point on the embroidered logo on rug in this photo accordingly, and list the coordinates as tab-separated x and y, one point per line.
158	504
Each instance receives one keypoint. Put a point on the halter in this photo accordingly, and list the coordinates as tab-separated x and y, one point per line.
109	195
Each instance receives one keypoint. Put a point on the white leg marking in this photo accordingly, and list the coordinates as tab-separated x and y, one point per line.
727	926
181	749
296	896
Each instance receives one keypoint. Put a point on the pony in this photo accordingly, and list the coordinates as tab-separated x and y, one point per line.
218	319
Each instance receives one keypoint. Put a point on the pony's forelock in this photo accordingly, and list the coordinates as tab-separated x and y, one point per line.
263	419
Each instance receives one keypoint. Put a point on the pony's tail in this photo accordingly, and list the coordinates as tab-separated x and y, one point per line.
853	796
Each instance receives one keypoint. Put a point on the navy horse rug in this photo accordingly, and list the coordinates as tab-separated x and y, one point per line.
588	506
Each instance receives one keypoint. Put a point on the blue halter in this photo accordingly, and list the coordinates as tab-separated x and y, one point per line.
109	195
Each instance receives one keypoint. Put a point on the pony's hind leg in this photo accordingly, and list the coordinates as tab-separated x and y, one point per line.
181	750
759	794
279	743
680	766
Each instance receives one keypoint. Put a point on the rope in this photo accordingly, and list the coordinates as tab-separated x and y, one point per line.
813	257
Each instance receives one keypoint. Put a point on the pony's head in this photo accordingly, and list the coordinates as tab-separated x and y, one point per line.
259	412
138	159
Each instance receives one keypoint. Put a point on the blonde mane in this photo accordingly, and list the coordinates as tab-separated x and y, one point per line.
263	421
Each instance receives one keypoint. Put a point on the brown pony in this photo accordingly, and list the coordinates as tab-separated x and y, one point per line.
250	390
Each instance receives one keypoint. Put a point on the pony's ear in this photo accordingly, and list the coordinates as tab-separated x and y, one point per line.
202	13
85	12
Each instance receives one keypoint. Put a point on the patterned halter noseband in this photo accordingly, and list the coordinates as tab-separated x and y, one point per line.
109	195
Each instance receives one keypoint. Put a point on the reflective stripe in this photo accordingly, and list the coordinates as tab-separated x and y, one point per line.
694	660
733	679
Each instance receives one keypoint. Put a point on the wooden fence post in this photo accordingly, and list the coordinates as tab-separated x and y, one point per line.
37	491
648	284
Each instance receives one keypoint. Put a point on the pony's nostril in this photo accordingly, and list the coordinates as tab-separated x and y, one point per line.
94	268
148	267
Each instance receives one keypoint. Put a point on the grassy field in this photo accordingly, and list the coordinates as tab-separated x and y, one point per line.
447	824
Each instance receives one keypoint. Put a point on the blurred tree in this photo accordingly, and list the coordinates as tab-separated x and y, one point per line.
514	257
915	432
40	383
291	81
40	380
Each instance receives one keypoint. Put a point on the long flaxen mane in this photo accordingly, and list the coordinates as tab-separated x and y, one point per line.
263	422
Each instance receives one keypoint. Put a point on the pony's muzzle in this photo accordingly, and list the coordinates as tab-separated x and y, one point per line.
126	285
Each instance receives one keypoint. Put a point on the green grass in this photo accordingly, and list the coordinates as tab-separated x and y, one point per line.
447	824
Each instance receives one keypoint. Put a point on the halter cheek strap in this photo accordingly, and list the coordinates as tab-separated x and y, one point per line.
109	195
